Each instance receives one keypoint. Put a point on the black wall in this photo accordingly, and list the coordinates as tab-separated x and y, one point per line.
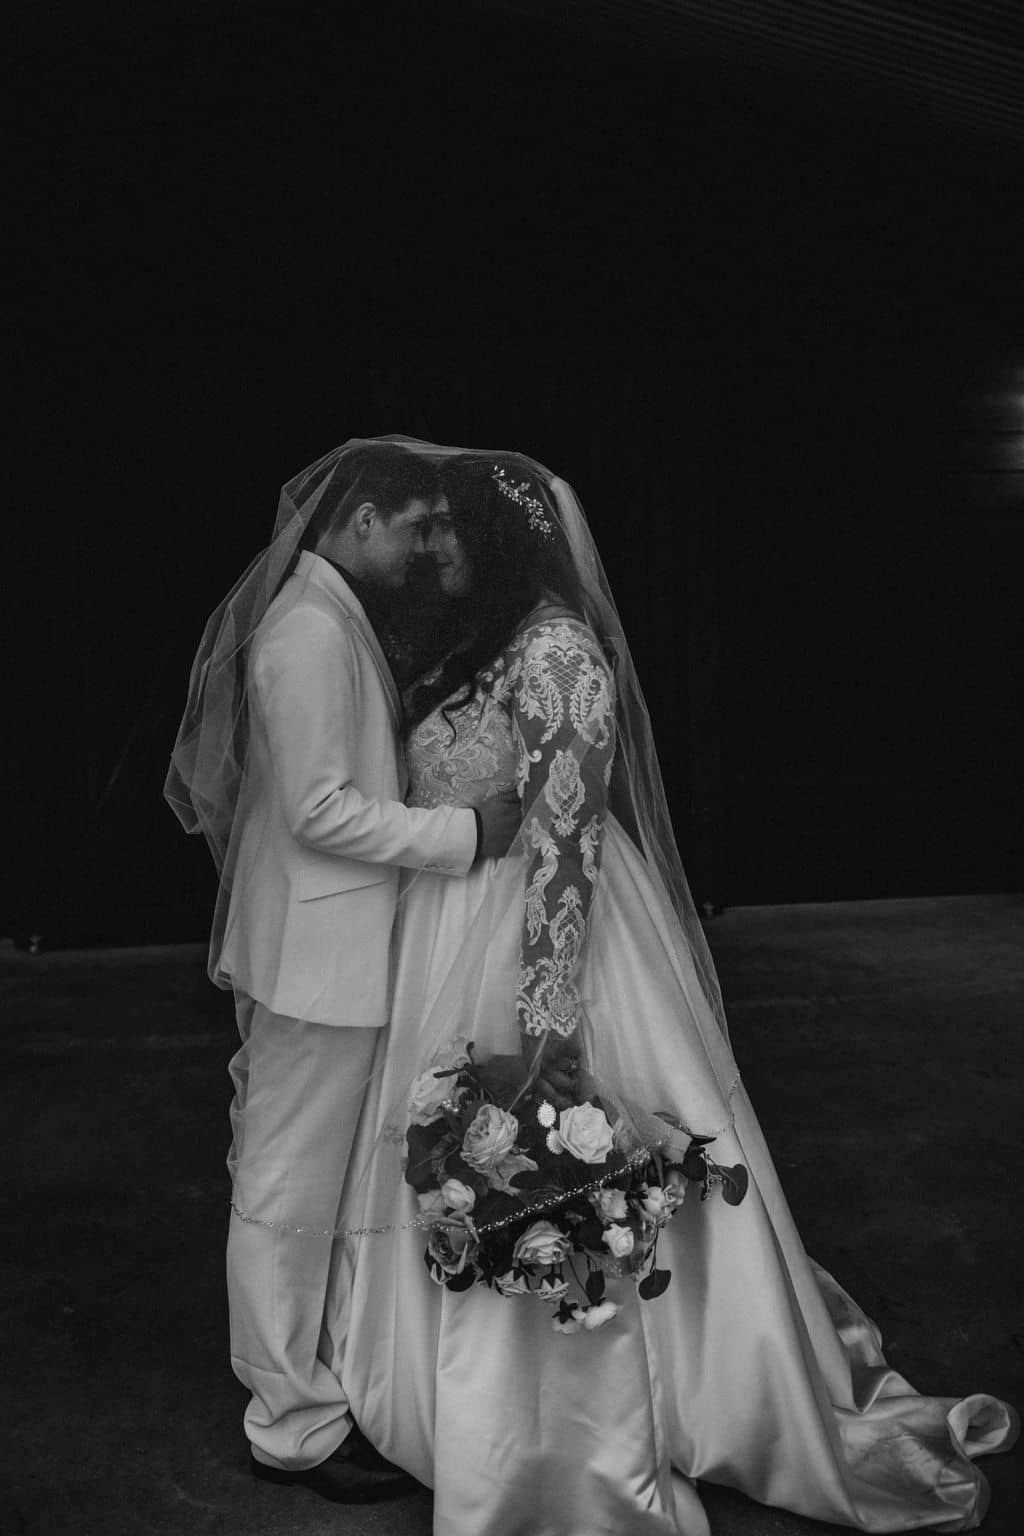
773	335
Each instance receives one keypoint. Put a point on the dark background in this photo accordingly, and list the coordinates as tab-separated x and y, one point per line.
762	309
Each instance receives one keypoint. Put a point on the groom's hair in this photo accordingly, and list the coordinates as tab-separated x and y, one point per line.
390	477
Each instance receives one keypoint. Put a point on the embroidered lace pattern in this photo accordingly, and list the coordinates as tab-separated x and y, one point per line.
559	689
544	723
466	768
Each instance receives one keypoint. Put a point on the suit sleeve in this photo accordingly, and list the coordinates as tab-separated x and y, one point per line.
308	686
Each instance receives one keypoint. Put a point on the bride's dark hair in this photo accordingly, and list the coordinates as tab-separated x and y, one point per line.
518	557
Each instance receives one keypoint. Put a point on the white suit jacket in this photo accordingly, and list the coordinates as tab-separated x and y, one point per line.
321	831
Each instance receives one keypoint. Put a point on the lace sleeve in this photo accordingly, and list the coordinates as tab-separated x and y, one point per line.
563	711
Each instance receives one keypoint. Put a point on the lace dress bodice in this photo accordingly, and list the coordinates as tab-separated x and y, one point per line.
466	757
542	723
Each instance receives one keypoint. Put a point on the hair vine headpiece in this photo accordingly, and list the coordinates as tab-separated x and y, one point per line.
519	492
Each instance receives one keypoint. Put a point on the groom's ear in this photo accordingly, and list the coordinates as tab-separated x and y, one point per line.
363	518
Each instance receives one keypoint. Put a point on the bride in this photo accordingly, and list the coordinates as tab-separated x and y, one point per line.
538	1404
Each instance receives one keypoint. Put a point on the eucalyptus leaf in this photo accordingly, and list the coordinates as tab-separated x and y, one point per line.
735	1181
590	1233
654	1284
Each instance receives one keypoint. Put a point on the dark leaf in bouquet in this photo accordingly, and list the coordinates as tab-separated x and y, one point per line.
495	1256
462	1282
590	1233
595	1286
503	1076
734	1182
531	1140
577	1175
456	1167
654	1284
694	1165
496	1206
424	1143
420	1176
537	1181
420	1136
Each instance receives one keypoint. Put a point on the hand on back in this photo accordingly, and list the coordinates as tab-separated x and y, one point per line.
501	818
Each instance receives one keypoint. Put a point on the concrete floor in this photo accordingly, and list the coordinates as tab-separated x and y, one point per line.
882	1042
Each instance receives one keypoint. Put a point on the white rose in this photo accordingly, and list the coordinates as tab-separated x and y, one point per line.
457	1196
596	1317
427	1095
543	1243
429	1091
610	1204
584	1133
490	1137
431	1203
655	1202
675	1188
620	1241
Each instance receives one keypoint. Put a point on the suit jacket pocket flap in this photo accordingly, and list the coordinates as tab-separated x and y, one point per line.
329	877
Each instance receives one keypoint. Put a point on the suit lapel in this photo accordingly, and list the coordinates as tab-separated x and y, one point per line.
320	571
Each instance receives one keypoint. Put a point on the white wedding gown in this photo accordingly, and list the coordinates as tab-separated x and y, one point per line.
754	1369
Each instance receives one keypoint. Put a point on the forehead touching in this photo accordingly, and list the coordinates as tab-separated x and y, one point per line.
427	515
417	512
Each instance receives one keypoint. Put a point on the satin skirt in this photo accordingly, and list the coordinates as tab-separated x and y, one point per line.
754	1369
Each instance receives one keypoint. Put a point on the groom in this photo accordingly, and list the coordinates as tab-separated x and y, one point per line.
323	836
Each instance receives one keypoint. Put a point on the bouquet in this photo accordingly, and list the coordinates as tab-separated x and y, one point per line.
524	1198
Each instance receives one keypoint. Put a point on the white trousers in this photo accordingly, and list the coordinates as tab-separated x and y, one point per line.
299	1088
